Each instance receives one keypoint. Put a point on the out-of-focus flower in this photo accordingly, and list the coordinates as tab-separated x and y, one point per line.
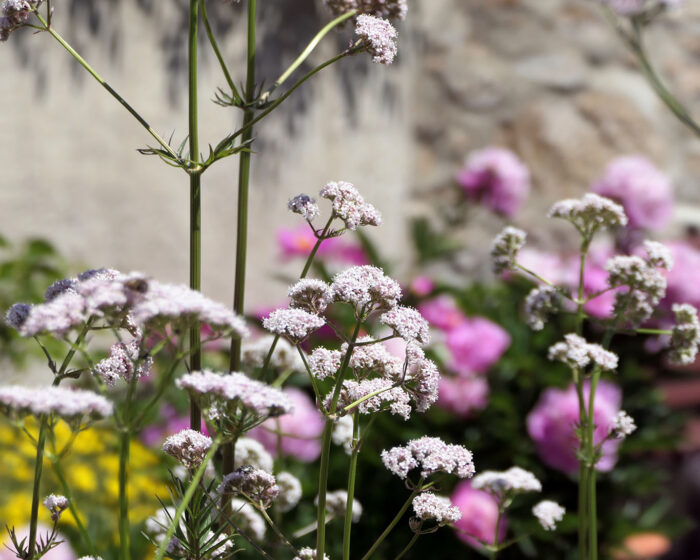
64	551
682	284
633	7
644	191
552	422
503	484
463	395
302	429
623	425
442	312
505	248
381	8
548	513
590	213
300	241
496	178
685	334
479	515
422	286
475	345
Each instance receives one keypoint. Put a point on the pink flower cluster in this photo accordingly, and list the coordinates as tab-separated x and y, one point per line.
496	178
552	422
431	455
189	447
71	405
379	37
124	361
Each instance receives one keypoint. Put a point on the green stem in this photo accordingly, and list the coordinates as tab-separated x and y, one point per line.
160	553
124	530
242	218
367	397
394	521
497	533
408	547
71	505
326	446
352	475
308	50
217	51
109	88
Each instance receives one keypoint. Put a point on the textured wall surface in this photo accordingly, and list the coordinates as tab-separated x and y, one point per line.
548	78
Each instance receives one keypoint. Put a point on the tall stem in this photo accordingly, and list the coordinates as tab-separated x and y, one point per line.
352	475
242	219
124	445
497	533
195	202
105	85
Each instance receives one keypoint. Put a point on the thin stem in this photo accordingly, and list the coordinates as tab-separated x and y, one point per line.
408	547
352	475
195	202
326	446
242	218
394	521
308	50
367	397
314	383
497	533
105	85
215	47
277	530
124	536
160	553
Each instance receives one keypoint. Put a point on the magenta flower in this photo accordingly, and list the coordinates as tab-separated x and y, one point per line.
300	241
682	279
479	515
442	313
302	429
463	395
645	191
496	178
551	425
422	286
475	345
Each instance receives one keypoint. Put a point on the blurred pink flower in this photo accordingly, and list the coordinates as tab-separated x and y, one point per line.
300	241
396	347
645	191
475	345
63	551
442	312
549	265
479	515
596	279
496	178
551	426
302	429
168	423
422	286
683	285
463	396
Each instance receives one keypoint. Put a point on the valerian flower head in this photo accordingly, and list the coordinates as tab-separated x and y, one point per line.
255	484
71	405
56	505
17	315
188	446
392	9
540	303
289	491
350	206
431	455
379	38
408	323
548	513
590	214
646	285
507	483
251	452
375	394
295	324
685	334
431	506
305	206
324	362
576	353
366	288
658	255
307	553
284	357
124	362
14	14
248	519
505	247
337	504
623	425
310	295
342	433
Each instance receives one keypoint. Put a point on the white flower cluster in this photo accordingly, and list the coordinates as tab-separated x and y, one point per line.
548	513
590	213
324	363
56	505
285	356
251	452
310	295
685	334
124	361
71	405
296	324
407	323
189	447
365	288
337	505
576	353
379	38
248	519
431	506
623	425
342	433
506	483
255	484
307	553
540	303
431	455
350	206
505	247
289	488
305	206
